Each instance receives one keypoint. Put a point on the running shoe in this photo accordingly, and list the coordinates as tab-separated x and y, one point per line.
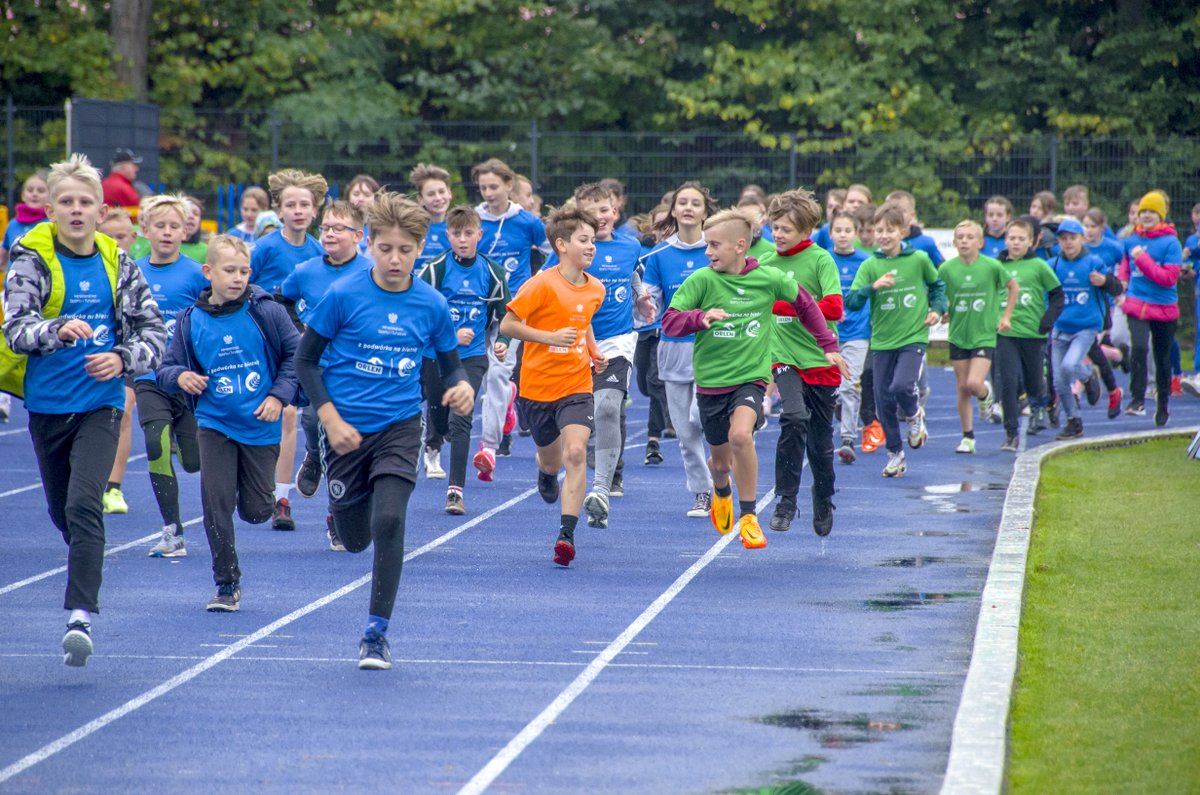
547	486
1176	385
751	533
1038	421
967	445
77	644
510	414
1091	387
846	452
654	455
374	654
596	505
721	512
1011	444
504	449
1161	414
1190	385
281	517
1114	403
454	503
433	465
617	489
781	520
1136	409
872	437
564	549
114	502
987	403
228	599
896	465
171	545
335	540
701	506
822	516
917	434
1072	430
308	476
485	462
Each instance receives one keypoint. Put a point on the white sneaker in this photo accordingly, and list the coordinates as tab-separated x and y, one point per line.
433	464
967	445
917	435
1190	384
987	404
596	505
896	465
171	545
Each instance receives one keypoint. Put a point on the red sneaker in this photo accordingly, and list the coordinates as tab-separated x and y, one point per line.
564	551
485	462
1176	385
510	417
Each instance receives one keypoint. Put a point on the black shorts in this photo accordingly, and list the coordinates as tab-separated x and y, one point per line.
958	354
391	451
615	376
547	419
153	404
715	410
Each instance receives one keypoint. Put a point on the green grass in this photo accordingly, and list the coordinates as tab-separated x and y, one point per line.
1108	687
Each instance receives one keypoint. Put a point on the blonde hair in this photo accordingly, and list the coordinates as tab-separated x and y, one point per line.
117	214
733	215
157	205
344	209
78	168
392	210
969	224
294	178
221	243
799	206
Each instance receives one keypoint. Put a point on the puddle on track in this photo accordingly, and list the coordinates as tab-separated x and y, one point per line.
906	600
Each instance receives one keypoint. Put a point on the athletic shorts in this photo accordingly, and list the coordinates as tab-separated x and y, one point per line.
393	450
547	419
615	376
715	410
153	404
958	354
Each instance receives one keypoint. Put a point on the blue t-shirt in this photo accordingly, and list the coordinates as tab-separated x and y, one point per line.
242	234
1191	244
231	351
378	339
14	231
666	267
820	237
615	263
923	242
1084	307
510	241
437	240
311	279
1109	251
992	246
175	287
466	288
274	258
58	383
856	325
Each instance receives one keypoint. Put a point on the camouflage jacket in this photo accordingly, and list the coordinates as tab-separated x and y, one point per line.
141	335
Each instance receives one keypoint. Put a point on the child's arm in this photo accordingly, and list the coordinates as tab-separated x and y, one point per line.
864	285
27	287
1014	292
143	338
599	360
342	436
515	328
1055	303
1164	274
172	374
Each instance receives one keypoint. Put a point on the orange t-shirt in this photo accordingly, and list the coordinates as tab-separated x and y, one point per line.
548	302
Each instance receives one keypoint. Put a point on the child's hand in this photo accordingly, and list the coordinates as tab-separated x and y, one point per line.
342	436
104	366
600	362
647	307
564	337
1136	252
1004	325
713	315
193	383
74	329
946	317
886	280
500	350
267	411
835	358
933	318
465	335
460	398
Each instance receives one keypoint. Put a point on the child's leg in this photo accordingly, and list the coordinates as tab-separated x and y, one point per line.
389	509
743	459
681	405
437	416
124	441
1139	346
867	413
287	453
962	370
793	436
459	430
610	403
1100	359
573	447
1162	333
156	410
218	496
1006	378
1033	368
496	394
185	429
885	398
850	392
820	401
906	378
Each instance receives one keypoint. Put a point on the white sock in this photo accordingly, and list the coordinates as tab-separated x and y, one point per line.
80	615
281	491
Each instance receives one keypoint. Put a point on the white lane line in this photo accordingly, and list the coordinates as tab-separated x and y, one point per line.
38	485
91	727
137	542
500	762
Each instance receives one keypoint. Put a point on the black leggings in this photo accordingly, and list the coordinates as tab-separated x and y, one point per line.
1018	360
442	423
1143	336
159	434
380	519
645	364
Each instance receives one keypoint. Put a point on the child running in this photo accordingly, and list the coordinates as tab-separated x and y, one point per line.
553	314
118	225
728	307
81	312
377	324
232	357
854	330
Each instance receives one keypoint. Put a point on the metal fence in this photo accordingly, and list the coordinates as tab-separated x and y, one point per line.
202	150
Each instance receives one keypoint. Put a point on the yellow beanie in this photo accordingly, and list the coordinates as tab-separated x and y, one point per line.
1154	202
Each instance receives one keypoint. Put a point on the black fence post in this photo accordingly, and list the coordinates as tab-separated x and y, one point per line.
10	116
533	154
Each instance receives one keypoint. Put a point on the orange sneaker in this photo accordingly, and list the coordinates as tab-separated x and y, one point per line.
751	533
721	512
872	437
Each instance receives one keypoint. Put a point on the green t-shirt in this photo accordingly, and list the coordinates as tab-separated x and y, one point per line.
1035	278
736	350
975	292
815	271
761	249
898	312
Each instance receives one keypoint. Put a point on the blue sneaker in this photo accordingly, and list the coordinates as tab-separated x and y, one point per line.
374	654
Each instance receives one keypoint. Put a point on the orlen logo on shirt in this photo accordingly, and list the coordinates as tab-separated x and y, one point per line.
372	366
727	331
224	385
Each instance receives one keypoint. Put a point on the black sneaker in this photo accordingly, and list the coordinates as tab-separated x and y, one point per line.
77	644
1037	421
1161	414
308	476
1091	386
781	520
1072	430
1053	414
1136	408
564	549
281	517
822	515
374	654
1011	444
654	455
669	433
617	489
335	540
227	600
505	448
548	486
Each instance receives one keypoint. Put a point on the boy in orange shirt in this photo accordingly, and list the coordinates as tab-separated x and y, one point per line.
553	312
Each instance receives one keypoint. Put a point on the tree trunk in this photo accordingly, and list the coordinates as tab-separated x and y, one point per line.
130	31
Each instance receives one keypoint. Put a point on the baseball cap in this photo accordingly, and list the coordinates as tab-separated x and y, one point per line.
1069	225
123	155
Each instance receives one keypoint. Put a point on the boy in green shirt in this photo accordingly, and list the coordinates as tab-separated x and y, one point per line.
728	307
973	284
906	298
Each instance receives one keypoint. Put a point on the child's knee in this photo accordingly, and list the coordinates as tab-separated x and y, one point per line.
575	452
741	439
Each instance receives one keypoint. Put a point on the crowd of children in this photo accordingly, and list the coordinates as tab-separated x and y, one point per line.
379	337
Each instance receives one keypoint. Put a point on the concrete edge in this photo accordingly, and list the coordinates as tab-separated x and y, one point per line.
979	744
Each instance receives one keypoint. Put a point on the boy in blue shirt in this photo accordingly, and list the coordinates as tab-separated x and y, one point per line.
81	312
377	325
915	237
296	196
432	186
232	356
175	281
477	291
